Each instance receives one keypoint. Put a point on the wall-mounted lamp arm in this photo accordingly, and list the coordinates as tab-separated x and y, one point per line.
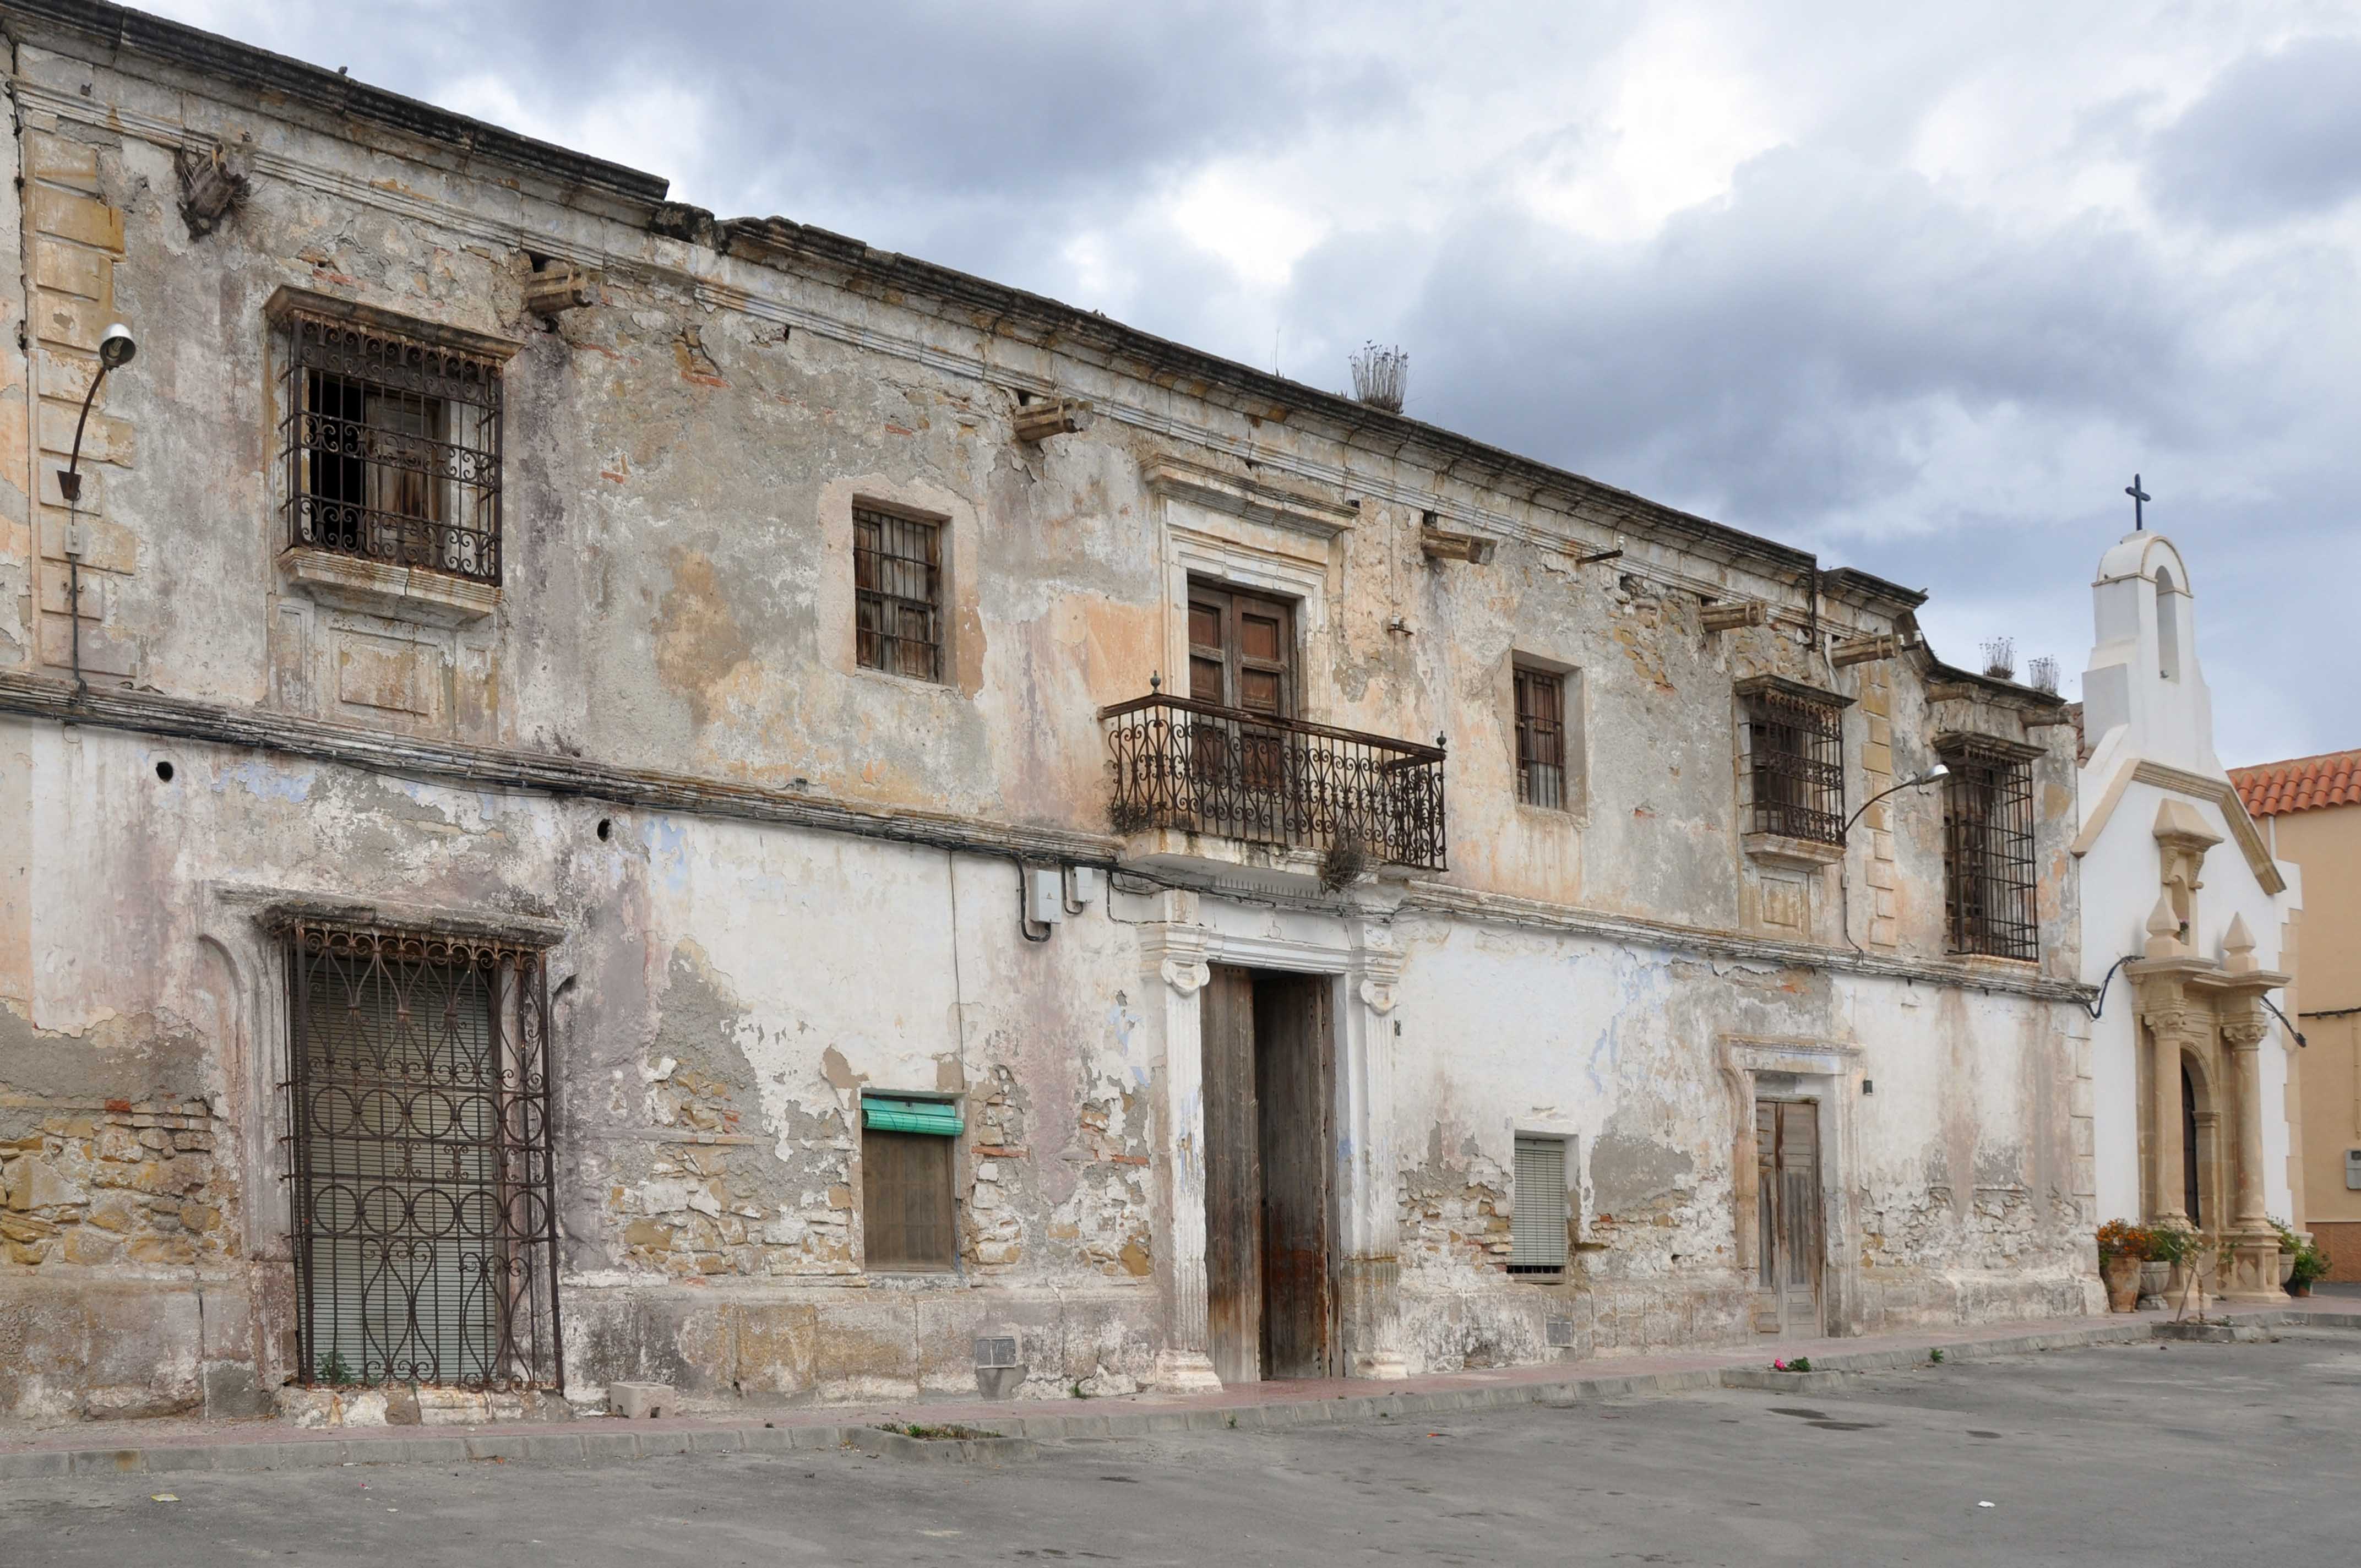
1935	774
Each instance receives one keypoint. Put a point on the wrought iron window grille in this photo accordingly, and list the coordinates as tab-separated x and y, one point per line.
1199	767
1990	891
422	1204
1541	738
897	577
390	446
1796	765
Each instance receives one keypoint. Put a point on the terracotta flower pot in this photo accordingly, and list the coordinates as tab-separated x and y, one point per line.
2122	1273
2299	1287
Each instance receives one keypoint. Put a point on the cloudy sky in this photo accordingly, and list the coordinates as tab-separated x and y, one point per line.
1916	287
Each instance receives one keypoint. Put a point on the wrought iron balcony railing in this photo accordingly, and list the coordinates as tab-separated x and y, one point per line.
1202	768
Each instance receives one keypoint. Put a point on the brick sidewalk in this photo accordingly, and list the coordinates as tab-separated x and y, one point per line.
158	1447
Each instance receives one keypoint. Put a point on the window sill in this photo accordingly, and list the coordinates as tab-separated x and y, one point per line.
907	683
1996	964
379	587
1778	849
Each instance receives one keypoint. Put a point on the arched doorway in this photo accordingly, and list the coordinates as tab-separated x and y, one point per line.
2191	1198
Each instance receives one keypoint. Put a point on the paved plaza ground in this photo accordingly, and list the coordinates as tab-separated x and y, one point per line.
2147	1453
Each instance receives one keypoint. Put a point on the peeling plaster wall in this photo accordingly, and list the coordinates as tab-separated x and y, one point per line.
680	464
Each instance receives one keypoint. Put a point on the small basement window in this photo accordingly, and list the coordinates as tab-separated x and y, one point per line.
909	1221
1537	1226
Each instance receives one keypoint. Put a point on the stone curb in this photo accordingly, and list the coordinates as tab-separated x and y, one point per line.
484	1446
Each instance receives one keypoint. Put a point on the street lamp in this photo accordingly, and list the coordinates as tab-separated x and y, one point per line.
117	348
1934	775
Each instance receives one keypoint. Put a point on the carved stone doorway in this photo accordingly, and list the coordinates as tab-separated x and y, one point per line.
1269	1204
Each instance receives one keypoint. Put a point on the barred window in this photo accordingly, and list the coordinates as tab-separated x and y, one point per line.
1988	863
391	446
1541	738
898	593
1537	1208
1795	745
423	1223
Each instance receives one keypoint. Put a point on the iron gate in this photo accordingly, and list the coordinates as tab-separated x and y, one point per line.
422	1211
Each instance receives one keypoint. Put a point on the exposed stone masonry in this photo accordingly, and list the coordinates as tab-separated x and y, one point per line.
110	1182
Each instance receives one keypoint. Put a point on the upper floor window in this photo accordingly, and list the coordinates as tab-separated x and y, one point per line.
1541	738
392	446
1794	761
897	582
1988	860
1241	650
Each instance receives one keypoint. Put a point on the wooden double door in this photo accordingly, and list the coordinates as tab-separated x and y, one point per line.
1788	1240
1269	1205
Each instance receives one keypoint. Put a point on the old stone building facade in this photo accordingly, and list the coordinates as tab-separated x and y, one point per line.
591	794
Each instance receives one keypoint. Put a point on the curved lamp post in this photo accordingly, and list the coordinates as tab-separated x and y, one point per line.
1935	774
117	348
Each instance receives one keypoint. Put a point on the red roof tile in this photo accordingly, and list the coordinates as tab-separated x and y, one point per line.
2302	784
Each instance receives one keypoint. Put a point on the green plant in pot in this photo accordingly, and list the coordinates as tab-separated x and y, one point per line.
2310	1263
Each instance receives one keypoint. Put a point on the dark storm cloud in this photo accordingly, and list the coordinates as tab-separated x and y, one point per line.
1782	351
2276	135
937	100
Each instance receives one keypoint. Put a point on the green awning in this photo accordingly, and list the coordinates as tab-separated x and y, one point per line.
893	1114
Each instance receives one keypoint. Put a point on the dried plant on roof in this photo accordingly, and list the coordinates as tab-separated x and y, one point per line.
2000	658
1381	377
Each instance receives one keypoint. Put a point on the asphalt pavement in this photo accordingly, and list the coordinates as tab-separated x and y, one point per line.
2180	1453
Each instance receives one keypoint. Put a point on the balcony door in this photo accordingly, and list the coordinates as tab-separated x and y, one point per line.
1242	649
1241	655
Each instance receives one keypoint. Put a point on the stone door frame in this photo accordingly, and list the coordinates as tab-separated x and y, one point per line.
1359	954
1828	1074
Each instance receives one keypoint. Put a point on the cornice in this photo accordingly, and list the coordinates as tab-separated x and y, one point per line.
485	767
210	58
2197	786
1466	904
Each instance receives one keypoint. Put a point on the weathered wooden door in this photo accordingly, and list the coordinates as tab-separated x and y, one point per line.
1788	1249
1241	655
1232	1176
1292	1095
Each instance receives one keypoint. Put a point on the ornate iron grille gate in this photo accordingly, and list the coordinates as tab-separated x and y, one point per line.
392	448
424	1219
1795	747
1988	869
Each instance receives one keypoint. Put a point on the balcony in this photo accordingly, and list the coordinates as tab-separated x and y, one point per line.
1281	785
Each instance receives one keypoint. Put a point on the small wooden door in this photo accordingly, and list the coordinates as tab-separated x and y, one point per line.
1789	1250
